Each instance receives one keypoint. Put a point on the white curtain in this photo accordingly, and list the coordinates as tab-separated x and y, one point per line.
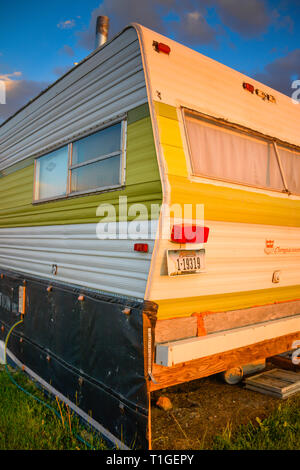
231	155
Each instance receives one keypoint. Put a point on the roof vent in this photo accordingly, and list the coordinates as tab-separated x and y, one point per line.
102	26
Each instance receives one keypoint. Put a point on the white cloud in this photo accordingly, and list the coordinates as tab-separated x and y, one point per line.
67	50
247	17
190	25
194	15
18	93
280	73
68	24
61	70
8	77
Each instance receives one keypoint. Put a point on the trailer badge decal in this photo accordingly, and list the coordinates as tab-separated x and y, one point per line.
263	95
271	249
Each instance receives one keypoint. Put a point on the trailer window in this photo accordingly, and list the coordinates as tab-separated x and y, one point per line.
51	174
96	175
96	160
226	154
290	160
93	163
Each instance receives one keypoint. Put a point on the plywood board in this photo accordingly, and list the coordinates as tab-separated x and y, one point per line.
185	327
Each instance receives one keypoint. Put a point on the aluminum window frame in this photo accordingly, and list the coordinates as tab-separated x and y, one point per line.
69	194
35	179
281	146
244	131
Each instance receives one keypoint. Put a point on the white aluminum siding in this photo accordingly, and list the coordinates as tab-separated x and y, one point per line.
109	265
108	83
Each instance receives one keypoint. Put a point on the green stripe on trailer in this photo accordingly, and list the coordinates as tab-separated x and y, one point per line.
143	185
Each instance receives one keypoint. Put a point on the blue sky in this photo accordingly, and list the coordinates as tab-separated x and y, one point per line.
39	41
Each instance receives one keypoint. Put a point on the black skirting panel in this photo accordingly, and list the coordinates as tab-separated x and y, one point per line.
89	350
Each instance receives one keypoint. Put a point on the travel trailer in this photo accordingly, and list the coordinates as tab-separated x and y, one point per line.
150	228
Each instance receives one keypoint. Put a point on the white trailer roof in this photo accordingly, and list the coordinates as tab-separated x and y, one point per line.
190	79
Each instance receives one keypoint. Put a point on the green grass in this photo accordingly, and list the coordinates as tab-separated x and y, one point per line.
26	424
279	431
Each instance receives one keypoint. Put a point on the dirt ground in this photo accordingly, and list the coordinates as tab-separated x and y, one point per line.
202	409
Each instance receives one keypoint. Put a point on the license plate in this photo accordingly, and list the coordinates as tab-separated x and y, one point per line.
185	262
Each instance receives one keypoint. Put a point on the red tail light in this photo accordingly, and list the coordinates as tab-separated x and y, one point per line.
189	234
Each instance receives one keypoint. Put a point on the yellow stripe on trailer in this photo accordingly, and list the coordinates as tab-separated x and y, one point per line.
183	307
226	202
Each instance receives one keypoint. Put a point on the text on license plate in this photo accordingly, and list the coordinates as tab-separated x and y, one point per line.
185	261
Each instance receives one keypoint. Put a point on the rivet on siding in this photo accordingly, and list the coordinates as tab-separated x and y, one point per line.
126	311
81	298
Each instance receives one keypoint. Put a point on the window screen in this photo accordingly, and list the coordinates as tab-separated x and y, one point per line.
230	155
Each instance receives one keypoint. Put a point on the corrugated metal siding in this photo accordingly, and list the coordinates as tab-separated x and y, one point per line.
82	259
142	185
33	238
110	82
